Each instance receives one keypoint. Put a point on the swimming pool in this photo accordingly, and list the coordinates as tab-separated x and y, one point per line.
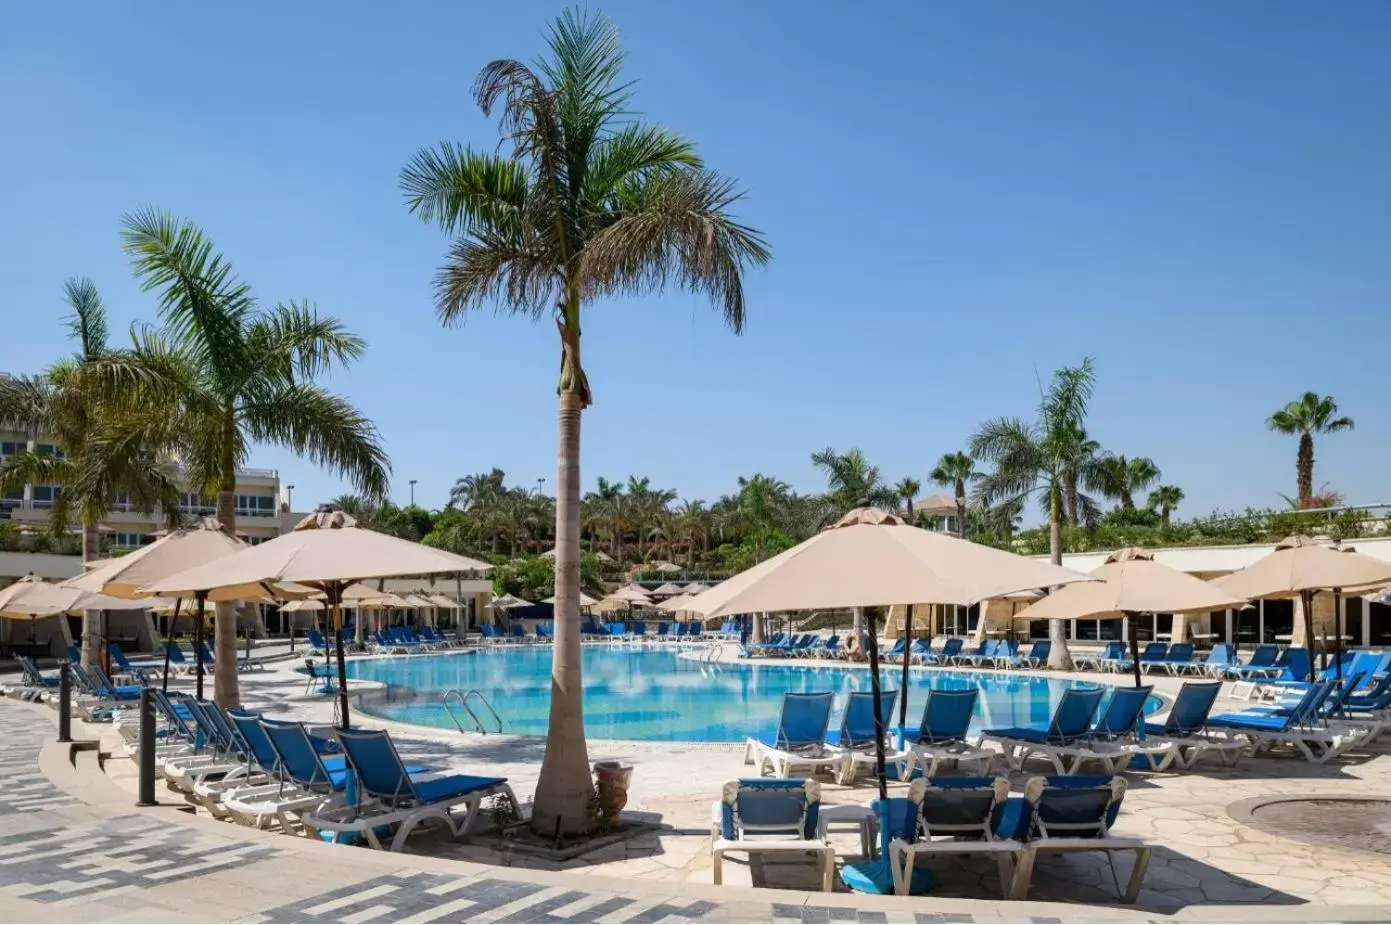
644	692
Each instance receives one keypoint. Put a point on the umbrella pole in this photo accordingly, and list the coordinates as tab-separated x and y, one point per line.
1131	621
169	623
875	875
1306	598
335	590
903	692
1338	634
201	598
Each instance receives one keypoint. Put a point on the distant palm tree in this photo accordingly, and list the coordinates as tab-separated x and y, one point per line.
907	490
1125	478
760	501
590	202
89	404
1165	498
478	489
1307	415
692	524
852	482
230	374
1042	458
956	471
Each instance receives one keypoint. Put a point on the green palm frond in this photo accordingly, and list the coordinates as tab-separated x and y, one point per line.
202	302
497	270
630	155
87	323
675	227
26	403
324	427
118	460
294	341
461	190
31	468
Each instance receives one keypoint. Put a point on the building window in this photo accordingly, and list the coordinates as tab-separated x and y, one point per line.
190	503
12	499
130	540
256	505
122	504
256	540
45	495
48	449
10	447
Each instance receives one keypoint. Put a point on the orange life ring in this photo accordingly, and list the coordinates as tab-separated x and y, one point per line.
853	646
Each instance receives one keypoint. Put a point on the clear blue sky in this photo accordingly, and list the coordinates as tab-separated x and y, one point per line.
958	195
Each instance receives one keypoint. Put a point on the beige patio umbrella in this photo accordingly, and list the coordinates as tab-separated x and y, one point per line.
326	551
675	604
697	588
871	558
1131	583
585	600
439	600
631	593
1299	566
176	551
666	590
664	566
303	606
31	597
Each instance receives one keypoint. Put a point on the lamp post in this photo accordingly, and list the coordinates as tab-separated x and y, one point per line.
540	487
290	497
413	481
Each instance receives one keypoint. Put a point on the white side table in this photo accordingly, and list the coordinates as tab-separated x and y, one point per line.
861	816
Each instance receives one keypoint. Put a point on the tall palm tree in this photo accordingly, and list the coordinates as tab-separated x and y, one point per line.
1165	498
1040	458
1125	478
907	490
852	482
1307	415
89	404
231	373
590	202
692	525
759	502
956	471
1082	467
477	489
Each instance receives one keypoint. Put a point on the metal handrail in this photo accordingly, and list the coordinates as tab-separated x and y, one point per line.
463	698
453	716
474	692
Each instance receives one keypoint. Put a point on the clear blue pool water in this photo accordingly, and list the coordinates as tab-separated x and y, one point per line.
647	693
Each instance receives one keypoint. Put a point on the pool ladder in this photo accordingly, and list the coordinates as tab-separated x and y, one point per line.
462	698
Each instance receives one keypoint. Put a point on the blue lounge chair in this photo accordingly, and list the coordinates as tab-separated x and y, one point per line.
828	648
951	650
316	640
941	733
854	741
1112	741
1261	664
391	796
1302	726
1006	654
983	652
1154	655
1036	657
32	677
111	690
1180	658
1076	814
1186	724
1219	662
125	668
897	650
778	815
800	739
1071	722
1113	650
952	815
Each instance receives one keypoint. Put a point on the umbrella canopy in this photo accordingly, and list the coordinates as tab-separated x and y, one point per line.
585	600
674	604
508	601
419	600
666	590
127	576
31	596
664	566
301	606
386	599
326	547
631	593
1131	581
599	554
871	558
1299	563
696	588
439	600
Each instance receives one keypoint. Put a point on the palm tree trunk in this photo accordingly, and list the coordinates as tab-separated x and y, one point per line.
226	693
564	788
91	619
1306	466
1127	500
1071	503
1058	655
961	507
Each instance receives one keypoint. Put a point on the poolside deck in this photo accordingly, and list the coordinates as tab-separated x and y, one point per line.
1211	864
